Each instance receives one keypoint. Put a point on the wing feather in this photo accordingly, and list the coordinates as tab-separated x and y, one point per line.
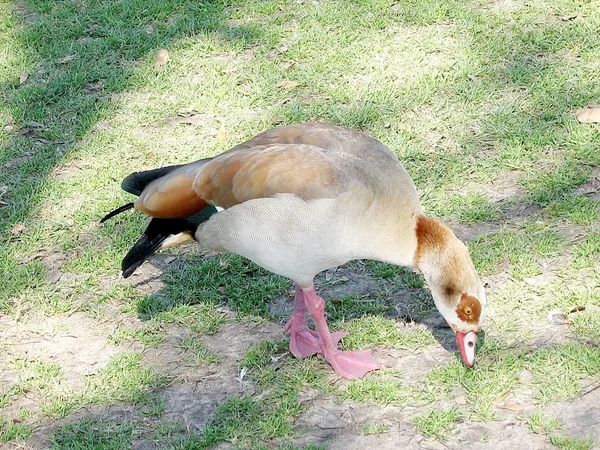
265	171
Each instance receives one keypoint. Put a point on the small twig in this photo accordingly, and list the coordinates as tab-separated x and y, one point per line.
589	391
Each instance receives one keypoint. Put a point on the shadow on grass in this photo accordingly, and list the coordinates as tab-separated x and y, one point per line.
100	45
79	56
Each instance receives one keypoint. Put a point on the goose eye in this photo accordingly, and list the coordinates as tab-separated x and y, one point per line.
467	311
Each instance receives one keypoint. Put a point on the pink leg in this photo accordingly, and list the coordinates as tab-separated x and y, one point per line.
303	341
346	364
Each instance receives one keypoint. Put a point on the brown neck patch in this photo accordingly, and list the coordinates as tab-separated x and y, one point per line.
468	309
431	234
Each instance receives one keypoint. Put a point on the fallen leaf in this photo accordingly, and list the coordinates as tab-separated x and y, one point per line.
288	65
555	317
577	309
66	59
162	57
7	118
500	399
114	97
149	155
23	77
191	119
221	134
287	84
461	400
95	86
588	115
279	119
18	228
27	259
85	238
3	204
33	124
511	407
149	29
569	17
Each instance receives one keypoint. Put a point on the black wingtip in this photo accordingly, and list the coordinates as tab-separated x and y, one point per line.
156	233
146	246
116	211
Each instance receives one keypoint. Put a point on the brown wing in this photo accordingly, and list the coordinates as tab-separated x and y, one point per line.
265	171
172	196
308	160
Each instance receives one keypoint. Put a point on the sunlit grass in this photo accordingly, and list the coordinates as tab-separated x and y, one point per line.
478	101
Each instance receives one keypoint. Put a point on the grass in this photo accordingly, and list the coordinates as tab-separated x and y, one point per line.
437	423
381	331
10	431
478	101
539	423
375	428
198	352
568	443
93	434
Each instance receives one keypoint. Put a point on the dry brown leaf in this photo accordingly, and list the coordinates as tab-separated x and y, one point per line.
18	228
588	115
95	86
191	119
162	57
577	309
461	400
511	407
287	84
288	65
500	399
23	77
221	135
66	59
149	155
569	17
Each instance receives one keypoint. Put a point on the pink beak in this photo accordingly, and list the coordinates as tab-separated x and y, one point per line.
466	345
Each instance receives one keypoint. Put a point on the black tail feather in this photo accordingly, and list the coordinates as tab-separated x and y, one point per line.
137	181
119	210
156	233
158	230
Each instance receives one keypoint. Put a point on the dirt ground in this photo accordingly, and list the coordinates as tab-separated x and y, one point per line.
80	346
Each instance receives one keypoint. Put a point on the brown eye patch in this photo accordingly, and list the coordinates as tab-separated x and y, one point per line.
468	309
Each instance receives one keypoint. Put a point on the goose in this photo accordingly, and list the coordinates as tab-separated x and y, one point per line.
301	199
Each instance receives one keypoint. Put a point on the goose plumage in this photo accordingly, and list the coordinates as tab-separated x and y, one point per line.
301	199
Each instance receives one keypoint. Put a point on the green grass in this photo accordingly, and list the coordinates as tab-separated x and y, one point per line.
380	387
381	331
93	434
539	423
520	249
251	423
375	428
568	443
229	280
478	101
198	353
437	423
10	431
